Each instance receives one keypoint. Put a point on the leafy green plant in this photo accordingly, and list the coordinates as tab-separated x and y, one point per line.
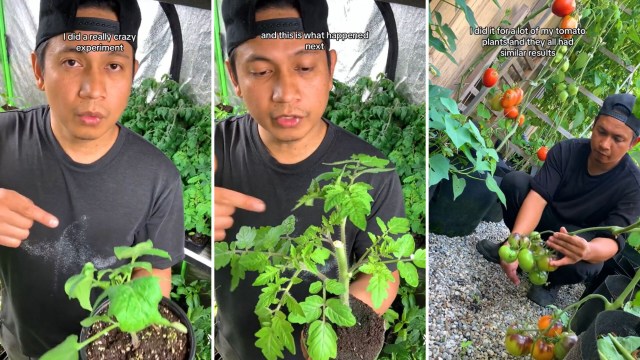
456	146
198	314
133	303
281	258
163	113
375	111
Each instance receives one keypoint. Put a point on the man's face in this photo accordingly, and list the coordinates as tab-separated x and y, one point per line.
610	140
87	91
284	86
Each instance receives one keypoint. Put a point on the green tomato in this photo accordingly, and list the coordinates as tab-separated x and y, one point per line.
525	260
563	96
573	89
507	254
543	263
559	76
563	49
558	58
534	235
518	345
538	277
565	66
567	341
560	87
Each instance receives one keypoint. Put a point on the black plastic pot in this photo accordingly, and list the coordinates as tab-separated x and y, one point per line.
3	355
173	306
611	288
619	322
196	248
627	262
462	216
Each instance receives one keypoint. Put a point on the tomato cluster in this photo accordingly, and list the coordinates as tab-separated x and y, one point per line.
545	342
533	257
508	102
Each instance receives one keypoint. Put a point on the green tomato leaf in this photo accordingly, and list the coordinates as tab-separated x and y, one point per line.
319	255
245	237
398	225
254	261
339	313
420	258
94	319
322	341
292	305
283	330
268	275
237	272
404	246
315	287
312	308
222	255
66	350
269	343
135	304
607	350
79	286
408	272
138	250
378	285
383	227
335	287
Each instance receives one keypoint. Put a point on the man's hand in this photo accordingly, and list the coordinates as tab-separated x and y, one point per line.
17	214
225	204
511	271
573	247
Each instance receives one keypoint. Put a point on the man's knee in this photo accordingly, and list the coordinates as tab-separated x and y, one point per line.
576	273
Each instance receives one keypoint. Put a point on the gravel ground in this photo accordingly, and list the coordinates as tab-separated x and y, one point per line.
471	299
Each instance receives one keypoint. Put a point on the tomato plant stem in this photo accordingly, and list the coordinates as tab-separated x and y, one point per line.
96	336
621	349
343	265
625	293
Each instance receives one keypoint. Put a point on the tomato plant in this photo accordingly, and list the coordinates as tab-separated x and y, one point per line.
542	153
563	7
490	77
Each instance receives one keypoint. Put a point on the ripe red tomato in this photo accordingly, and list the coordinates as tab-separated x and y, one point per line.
511	112
490	77
568	22
542	350
509	99
542	153
563	7
518	345
519	95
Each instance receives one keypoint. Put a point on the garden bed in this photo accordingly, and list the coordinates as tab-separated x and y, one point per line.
472	300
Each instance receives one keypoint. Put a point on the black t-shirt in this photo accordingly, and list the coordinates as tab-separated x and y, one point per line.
612	198
131	194
245	165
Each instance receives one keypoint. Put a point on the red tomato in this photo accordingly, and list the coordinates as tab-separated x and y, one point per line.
563	7
511	112
509	99
545	321
490	77
568	22
519	95
542	153
542	350
521	120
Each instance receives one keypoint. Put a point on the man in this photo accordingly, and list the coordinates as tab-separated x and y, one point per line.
74	183
583	183
267	158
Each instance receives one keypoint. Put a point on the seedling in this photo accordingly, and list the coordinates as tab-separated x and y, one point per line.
280	259
133	303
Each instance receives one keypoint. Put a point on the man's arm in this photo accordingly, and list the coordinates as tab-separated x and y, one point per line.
164	275
358	289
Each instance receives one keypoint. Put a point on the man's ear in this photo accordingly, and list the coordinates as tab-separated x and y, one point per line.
333	56
234	81
136	66
37	71
635	142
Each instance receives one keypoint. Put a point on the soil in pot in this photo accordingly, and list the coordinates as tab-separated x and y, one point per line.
363	341
196	242
155	342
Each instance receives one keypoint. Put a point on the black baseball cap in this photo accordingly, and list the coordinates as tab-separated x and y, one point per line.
239	18
620	106
59	16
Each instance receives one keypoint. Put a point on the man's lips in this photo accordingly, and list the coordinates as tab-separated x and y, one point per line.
288	121
90	117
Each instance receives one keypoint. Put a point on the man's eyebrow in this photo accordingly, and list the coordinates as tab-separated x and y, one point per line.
258	57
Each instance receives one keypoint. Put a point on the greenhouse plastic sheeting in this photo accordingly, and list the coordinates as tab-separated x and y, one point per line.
357	58
155	47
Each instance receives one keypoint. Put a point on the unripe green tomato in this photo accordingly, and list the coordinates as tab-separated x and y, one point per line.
525	242
507	254
538	277
543	263
558	58
565	66
560	87
534	235
514	240
563	96
525	260
573	89
560	76
518	344
563	49
567	341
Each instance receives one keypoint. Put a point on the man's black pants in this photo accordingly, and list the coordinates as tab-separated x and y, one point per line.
516	186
